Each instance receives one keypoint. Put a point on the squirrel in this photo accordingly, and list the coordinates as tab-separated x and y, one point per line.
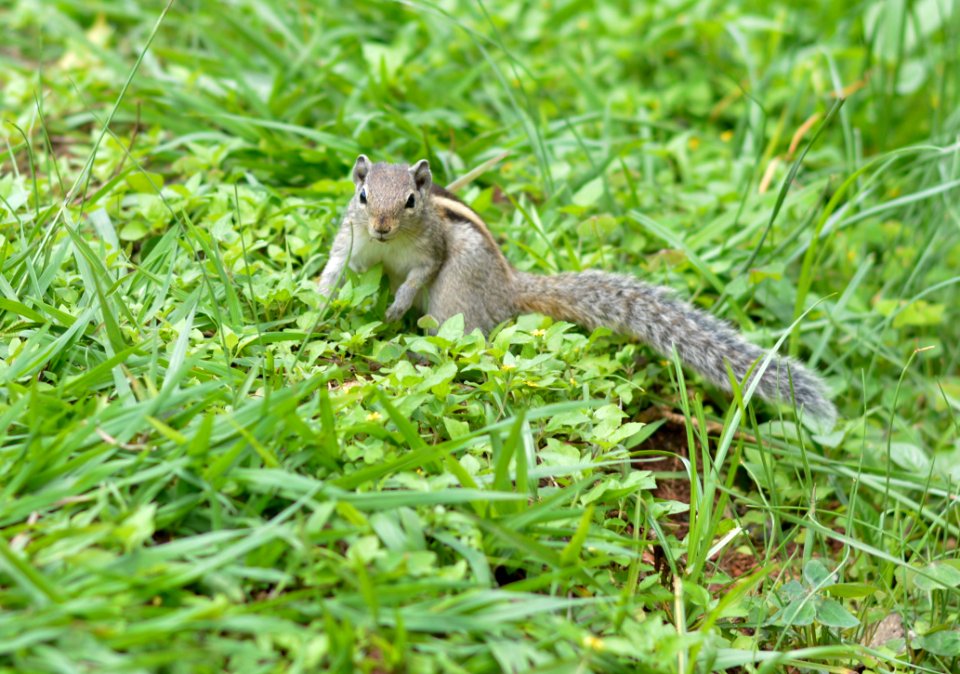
439	253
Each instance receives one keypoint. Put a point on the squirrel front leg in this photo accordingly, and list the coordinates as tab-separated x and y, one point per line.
332	274
418	278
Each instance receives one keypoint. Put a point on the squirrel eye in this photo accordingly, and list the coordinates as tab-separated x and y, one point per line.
411	201
363	195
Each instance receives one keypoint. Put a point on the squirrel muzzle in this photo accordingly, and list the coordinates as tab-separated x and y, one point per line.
381	228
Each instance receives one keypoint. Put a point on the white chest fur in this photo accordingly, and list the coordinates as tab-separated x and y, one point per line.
399	255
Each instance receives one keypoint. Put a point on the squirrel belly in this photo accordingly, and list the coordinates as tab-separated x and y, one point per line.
653	315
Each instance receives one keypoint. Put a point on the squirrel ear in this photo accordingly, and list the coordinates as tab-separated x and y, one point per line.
360	169
421	175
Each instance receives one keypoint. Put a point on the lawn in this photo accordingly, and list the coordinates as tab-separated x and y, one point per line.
207	467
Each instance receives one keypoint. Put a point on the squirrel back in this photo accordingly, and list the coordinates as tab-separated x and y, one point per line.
439	253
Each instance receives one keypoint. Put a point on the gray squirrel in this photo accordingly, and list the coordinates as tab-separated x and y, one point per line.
439	253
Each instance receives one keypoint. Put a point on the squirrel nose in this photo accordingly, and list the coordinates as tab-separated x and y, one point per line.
380	225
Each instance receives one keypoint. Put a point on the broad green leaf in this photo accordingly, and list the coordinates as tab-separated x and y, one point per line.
832	614
816	574
937	576
795	614
945	643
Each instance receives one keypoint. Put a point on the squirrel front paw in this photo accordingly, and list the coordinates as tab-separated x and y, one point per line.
396	312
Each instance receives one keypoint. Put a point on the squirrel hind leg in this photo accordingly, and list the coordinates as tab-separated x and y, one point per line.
461	287
444	305
474	316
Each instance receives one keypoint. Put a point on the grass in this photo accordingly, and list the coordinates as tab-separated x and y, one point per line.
205	468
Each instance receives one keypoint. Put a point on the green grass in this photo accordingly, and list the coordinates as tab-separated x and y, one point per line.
204	468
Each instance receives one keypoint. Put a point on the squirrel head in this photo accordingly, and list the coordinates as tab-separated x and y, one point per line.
389	197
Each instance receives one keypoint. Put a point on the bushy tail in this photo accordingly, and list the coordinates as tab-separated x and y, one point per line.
653	315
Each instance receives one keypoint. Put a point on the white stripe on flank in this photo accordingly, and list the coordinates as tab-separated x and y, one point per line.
460	210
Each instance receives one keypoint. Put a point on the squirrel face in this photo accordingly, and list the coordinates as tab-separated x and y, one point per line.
389	197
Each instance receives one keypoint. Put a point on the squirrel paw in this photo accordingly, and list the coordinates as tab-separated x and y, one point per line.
395	313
